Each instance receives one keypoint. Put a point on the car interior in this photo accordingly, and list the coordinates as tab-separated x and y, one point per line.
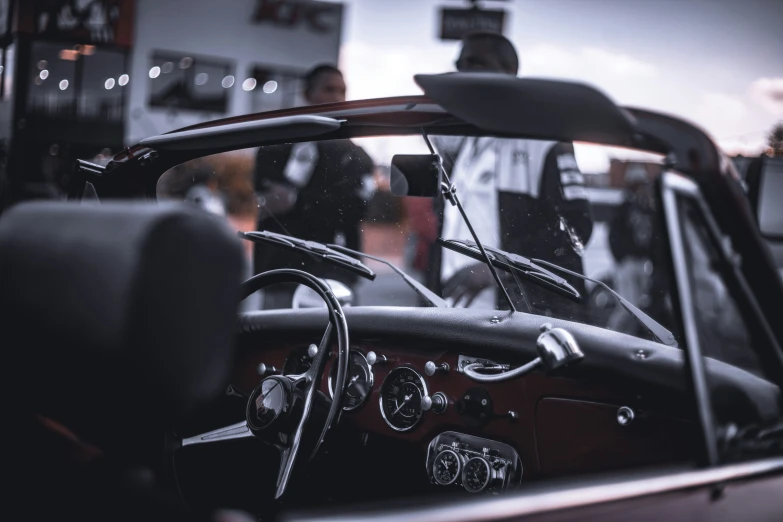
136	389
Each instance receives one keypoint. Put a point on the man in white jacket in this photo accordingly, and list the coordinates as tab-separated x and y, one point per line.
523	196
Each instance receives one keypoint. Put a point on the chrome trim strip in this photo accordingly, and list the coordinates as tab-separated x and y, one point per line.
235	431
512	506
672	185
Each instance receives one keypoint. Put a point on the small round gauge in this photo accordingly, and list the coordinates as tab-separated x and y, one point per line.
476	474
446	467
358	384
298	362
401	395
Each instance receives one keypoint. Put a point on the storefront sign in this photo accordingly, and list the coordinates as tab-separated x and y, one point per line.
84	21
456	23
319	17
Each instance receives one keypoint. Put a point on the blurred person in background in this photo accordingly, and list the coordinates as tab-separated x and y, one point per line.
523	196
315	191
631	243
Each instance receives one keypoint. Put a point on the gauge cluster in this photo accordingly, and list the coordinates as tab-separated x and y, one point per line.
472	463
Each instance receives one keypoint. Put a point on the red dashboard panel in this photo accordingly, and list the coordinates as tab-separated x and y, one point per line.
562	425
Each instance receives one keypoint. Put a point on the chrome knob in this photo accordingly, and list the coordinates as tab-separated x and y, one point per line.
430	368
263	370
312	351
374	358
426	403
625	416
439	402
557	348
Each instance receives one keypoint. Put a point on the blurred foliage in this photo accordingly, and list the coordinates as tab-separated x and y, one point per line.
775	140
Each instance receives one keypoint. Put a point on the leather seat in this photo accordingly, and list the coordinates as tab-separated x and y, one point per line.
115	319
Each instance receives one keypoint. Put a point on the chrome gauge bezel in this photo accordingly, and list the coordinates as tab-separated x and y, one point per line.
422	389
486	482
458	473
370	379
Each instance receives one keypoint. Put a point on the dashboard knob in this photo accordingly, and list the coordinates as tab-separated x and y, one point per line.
312	351
437	403
430	368
373	358
264	370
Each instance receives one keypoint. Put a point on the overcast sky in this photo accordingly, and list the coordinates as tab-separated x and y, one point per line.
718	63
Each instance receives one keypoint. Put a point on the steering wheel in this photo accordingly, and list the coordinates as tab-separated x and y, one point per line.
273	406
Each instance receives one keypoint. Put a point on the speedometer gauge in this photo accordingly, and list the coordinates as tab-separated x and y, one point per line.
358	383
401	396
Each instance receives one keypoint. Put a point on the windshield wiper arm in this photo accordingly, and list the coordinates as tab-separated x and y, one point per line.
434	299
319	250
509	262
449	192
531	269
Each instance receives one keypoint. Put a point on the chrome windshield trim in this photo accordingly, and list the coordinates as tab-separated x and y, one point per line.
512	506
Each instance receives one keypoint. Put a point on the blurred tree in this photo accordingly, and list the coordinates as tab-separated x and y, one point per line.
775	140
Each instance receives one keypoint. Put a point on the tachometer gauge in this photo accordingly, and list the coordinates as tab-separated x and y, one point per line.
358	384
476	474
447	467
401	395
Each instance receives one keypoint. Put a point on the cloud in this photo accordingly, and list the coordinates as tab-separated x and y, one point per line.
768	92
619	64
373	71
583	63
723	106
751	146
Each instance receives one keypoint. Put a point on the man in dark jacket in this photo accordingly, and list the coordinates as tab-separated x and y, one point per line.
631	240
316	191
523	196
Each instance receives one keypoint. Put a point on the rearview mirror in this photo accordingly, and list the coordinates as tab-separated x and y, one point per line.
415	175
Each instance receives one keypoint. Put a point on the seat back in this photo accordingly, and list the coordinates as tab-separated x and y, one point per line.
116	317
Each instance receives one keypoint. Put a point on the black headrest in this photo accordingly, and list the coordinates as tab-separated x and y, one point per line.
116	314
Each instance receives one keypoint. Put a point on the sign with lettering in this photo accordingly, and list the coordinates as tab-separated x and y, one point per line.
319	17
82	21
456	23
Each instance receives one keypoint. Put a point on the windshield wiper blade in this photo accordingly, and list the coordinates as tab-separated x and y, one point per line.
509	262
655	328
434	299
531	269
319	250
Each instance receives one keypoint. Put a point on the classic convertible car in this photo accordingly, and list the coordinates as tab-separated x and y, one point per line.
147	381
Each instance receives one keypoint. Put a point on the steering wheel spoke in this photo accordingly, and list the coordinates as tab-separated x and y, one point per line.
239	430
276	398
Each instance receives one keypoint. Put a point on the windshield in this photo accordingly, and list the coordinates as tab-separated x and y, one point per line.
585	208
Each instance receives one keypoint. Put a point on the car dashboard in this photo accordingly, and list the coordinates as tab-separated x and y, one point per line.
484	437
414	423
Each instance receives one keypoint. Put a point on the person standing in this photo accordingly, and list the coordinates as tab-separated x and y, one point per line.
314	190
631	242
522	196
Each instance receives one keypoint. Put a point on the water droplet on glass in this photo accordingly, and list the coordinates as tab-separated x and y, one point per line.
576	242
